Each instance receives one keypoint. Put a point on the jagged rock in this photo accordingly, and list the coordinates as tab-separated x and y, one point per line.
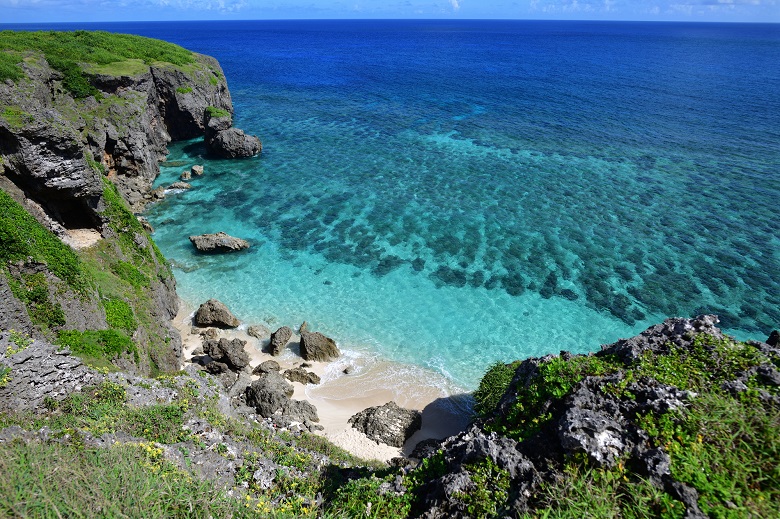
180	185
388	424
679	332
302	376
265	475
258	331
215	313
145	224
231	352
225	141
158	194
269	393
266	367
234	143
318	348
774	338
591	432
197	170
185	175
219	242
426	448
217	368
304	327
279	340
300	411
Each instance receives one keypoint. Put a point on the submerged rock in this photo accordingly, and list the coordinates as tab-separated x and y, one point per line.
215	313
317	347
389	424
219	242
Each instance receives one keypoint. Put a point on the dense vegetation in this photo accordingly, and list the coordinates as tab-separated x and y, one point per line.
67	51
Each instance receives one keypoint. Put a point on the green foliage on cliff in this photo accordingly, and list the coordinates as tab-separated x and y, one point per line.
33	291
492	387
119	315
15	117
22	237
97	344
67	51
213	111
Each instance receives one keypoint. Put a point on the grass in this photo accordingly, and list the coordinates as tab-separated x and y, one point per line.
97	344
213	111
106	52
15	117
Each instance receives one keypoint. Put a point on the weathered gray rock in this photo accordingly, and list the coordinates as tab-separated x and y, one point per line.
279	340
266	367
185	175
223	140
592	432
301	375
318	348
215	313
231	352
197	170
269	393
218	242
258	331
388	424
217	368
180	185
300	411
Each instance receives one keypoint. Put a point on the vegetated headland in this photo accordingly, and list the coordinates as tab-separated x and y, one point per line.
100	415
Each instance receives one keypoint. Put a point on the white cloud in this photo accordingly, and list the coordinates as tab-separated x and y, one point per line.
455	4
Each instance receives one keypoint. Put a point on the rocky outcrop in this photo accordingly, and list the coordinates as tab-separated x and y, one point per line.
229	352
266	367
219	242
317	347
269	393
215	313
388	424
301	375
225	141
279	340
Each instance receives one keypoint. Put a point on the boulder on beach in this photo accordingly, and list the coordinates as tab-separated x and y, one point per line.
269	393
231	352
317	347
300	411
218	242
388	424
215	313
258	331
301	375
266	367
279	340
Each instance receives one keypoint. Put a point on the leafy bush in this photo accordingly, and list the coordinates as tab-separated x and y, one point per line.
9	66
492	386
213	111
184	90
106	344
34	293
130	273
119	315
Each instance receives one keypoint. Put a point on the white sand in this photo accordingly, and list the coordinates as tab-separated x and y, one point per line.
339	396
81	238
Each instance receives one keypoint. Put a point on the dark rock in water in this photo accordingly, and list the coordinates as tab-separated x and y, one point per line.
318	348
300	411
266	367
215	313
185	175
418	264
388	424
230	352
302	376
774	338
197	170
269	393
279	340
180	185
569	294
225	141
219	242
304	327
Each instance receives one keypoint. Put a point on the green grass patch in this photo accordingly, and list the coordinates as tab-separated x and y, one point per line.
9	66
33	291
119	315
128	67
22	237
184	90
213	111
15	117
100	344
492	387
130	273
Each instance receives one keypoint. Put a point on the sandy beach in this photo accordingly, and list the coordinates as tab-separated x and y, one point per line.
370	382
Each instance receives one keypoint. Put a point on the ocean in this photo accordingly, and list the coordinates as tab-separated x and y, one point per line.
447	194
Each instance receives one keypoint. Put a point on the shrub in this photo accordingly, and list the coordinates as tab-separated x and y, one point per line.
213	111
492	386
106	344
34	293
128	272
119	315
184	90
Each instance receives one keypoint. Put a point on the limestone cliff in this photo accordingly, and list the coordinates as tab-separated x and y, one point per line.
80	146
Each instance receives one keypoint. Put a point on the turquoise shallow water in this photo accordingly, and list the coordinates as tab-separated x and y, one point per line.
451	194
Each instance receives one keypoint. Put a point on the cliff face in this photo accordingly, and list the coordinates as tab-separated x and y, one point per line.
64	158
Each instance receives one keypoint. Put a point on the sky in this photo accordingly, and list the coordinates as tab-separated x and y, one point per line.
35	11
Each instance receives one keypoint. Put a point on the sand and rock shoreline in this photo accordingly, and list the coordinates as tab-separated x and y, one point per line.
345	388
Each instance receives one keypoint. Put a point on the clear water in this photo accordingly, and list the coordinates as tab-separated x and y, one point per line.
448	194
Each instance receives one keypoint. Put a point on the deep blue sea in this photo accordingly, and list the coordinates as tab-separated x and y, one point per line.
446	194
